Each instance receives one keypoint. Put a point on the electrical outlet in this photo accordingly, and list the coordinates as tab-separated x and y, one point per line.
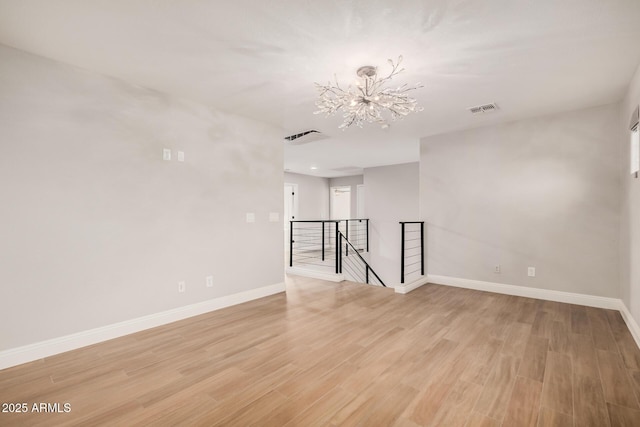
181	156
182	287
166	154
209	281
496	269
251	217
531	272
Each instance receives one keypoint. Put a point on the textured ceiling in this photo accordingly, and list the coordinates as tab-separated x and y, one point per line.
260	58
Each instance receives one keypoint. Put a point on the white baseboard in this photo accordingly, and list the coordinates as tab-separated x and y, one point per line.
524	291
631	323
405	288
39	350
315	274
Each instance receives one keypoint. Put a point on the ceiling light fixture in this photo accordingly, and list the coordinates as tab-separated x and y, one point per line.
369	99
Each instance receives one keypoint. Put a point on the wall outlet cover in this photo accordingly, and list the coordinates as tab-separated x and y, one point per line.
251	217
166	154
182	287
531	272
181	156
209	281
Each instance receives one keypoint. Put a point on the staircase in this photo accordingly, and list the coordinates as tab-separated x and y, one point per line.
331	250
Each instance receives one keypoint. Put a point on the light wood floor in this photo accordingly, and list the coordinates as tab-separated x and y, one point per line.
347	354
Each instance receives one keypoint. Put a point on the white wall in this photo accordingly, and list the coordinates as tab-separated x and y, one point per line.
95	228
313	195
630	216
352	182
391	196
542	192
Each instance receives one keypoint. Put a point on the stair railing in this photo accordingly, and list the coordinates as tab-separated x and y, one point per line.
313	243
354	266
412	248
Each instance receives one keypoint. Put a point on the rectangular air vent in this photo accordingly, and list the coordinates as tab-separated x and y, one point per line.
486	108
304	137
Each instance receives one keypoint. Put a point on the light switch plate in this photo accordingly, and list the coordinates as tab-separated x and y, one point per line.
531	272
209	281
251	217
166	154
181	156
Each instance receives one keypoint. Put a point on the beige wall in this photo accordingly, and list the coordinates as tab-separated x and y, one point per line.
95	228
630	217
391	196
313	195
542	192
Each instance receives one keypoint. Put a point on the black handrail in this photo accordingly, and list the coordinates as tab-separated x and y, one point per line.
402	248
368	268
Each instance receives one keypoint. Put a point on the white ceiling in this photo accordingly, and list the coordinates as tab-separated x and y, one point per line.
259	58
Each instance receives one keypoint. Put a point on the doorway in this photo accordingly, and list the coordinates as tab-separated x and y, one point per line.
340	202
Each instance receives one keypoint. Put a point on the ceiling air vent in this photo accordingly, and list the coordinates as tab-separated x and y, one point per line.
487	108
305	137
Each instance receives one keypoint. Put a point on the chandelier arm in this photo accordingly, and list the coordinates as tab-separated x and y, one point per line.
382	80
351	121
394	69
409	89
391	96
335	90
362	87
335	78
373	117
406	88
398	112
377	84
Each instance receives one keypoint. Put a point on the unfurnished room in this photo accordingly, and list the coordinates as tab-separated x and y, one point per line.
320	213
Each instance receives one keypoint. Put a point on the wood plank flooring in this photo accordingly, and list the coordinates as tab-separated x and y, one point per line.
345	354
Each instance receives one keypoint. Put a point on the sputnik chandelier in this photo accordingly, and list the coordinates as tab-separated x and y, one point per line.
369	101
